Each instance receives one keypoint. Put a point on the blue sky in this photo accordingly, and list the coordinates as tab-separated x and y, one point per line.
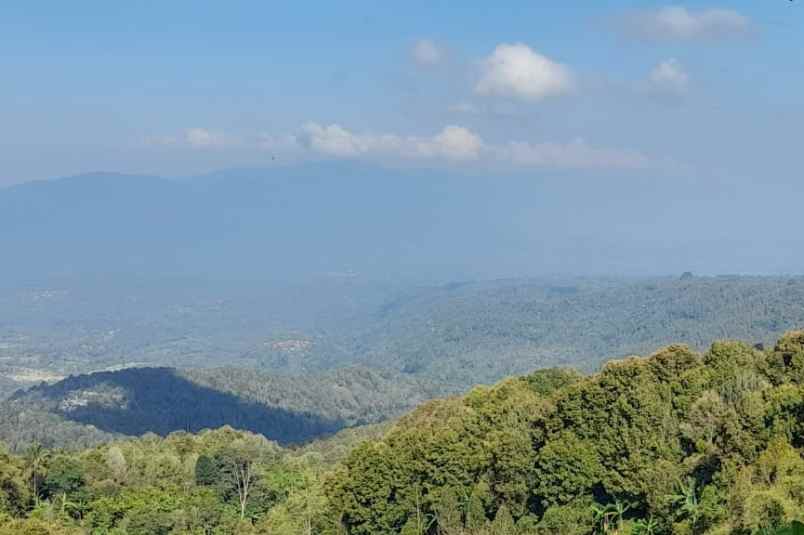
694	91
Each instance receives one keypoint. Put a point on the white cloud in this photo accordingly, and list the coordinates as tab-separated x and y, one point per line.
334	140
515	70
426	52
196	138
202	138
679	23
457	144
452	143
669	77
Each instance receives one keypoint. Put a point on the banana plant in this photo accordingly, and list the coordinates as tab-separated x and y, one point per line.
687	499
603	518
645	527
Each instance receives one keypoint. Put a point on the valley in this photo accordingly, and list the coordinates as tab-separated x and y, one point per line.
304	362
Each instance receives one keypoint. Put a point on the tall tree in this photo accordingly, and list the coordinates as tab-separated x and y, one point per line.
35	458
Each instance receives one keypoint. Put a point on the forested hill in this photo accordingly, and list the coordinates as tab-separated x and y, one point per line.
678	443
87	409
480	332
454	334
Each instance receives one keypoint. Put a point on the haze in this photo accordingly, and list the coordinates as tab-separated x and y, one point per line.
414	141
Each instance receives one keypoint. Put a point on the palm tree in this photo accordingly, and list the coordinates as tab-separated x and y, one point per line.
35	458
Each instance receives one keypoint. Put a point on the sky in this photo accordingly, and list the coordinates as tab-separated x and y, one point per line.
644	136
179	88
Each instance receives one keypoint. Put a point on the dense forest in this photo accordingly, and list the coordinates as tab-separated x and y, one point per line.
345	353
679	442
481	332
457	334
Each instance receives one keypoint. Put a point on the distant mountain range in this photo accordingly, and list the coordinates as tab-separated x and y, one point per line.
262	224
301	276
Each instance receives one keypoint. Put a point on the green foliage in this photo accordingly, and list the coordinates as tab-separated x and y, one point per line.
676	443
85	410
14	491
796	528
207	470
545	382
575	518
180	484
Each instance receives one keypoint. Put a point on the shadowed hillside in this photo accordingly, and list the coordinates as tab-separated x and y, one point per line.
162	400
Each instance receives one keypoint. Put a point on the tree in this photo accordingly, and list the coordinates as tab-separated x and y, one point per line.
14	498
503	523
207	471
239	468
35	458
449	514
116	462
64	476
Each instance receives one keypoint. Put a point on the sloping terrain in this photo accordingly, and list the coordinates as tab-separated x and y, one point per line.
455	334
478	333
676	443
86	409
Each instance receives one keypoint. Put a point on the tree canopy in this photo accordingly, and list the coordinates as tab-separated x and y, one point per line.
679	442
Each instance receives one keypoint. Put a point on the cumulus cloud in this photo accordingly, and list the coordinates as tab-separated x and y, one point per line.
679	23
427	53
454	143
669	77
515	70
457	144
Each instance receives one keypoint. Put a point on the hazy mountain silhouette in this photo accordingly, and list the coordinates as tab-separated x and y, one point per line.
277	223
